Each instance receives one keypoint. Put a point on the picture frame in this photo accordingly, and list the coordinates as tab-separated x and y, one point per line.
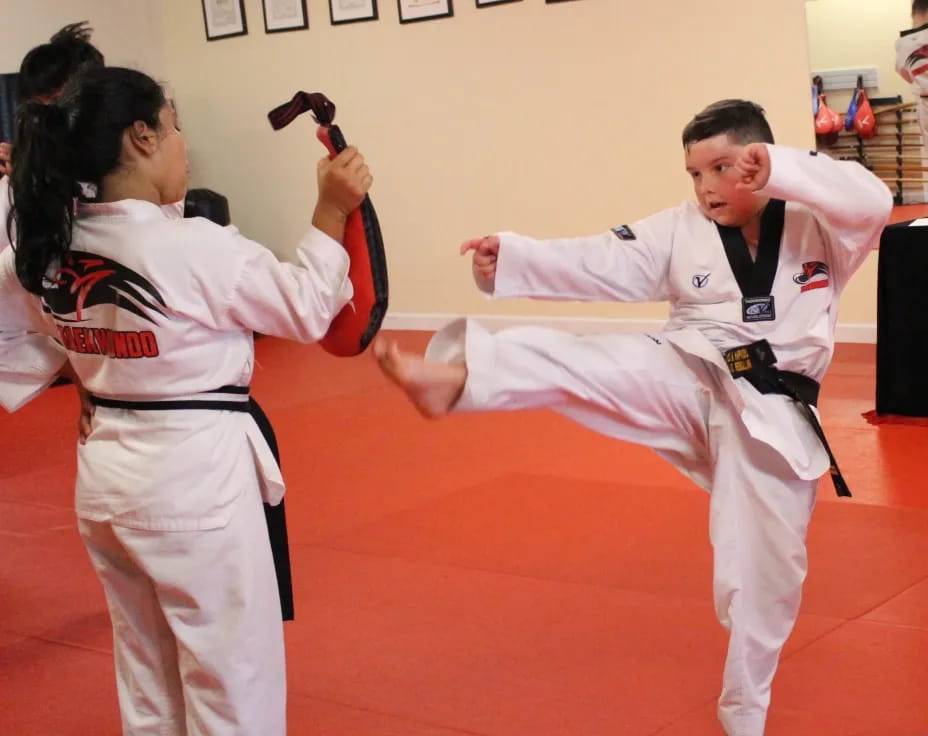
224	19
490	3
352	11
284	15
412	11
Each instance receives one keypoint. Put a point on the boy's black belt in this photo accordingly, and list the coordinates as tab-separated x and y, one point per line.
756	363
235	398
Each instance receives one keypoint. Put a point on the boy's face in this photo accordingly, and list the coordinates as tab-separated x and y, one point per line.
710	162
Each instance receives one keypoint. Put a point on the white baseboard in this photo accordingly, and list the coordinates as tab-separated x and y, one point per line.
852	332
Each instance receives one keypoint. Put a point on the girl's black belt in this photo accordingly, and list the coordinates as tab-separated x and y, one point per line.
234	398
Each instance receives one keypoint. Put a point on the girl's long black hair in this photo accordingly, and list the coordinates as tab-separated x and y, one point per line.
58	146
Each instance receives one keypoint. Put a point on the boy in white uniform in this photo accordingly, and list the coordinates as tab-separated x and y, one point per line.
752	280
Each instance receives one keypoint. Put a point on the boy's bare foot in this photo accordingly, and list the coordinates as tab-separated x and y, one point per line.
433	388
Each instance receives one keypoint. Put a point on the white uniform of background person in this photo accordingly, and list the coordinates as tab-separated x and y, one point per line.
175	497
4	211
912	66
672	391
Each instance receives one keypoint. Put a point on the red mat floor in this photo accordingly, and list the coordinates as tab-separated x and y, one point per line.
500	575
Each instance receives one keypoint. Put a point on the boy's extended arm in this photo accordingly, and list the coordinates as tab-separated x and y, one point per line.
627	264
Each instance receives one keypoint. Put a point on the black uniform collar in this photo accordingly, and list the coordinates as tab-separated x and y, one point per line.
909	32
755	277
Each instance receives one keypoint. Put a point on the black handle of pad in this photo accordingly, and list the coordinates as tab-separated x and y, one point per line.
338	140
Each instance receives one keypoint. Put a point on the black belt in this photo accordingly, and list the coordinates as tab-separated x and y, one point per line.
755	363
174	404
275	516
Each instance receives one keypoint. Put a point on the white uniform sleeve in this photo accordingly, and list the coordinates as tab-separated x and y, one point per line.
293	301
29	359
852	204
604	267
5	206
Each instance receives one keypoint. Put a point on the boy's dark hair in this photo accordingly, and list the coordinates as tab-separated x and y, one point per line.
919	7
46	68
743	121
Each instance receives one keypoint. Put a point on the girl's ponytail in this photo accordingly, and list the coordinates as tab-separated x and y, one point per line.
44	186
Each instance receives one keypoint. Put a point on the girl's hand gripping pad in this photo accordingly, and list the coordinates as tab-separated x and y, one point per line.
356	325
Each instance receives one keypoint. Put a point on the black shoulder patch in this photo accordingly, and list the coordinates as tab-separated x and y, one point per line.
624	232
813	153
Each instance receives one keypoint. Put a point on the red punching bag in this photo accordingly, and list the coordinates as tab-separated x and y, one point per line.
864	119
356	325
827	120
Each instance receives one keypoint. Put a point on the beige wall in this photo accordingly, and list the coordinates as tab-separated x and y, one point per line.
128	32
858	33
551	119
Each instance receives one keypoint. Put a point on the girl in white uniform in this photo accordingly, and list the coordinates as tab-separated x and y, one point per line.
753	272
156	313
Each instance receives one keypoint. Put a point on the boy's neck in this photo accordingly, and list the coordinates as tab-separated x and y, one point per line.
751	229
751	233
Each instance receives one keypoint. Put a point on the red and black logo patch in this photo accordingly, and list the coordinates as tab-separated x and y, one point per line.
814	276
85	280
918	61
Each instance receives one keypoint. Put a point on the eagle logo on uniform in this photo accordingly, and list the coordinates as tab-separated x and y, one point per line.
84	280
814	276
918	57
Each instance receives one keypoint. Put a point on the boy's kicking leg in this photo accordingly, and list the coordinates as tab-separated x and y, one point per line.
632	387
432	387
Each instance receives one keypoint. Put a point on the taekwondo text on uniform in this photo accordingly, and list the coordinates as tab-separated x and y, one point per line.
111	343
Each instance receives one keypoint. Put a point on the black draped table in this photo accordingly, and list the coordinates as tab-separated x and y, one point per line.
902	321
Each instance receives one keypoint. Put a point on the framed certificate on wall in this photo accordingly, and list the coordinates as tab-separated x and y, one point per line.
414	10
224	18
284	15
352	11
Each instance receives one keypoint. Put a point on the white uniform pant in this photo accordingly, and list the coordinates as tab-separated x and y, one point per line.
197	632
642	389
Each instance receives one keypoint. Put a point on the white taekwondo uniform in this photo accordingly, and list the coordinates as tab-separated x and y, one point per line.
149	306
912	66
672	391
